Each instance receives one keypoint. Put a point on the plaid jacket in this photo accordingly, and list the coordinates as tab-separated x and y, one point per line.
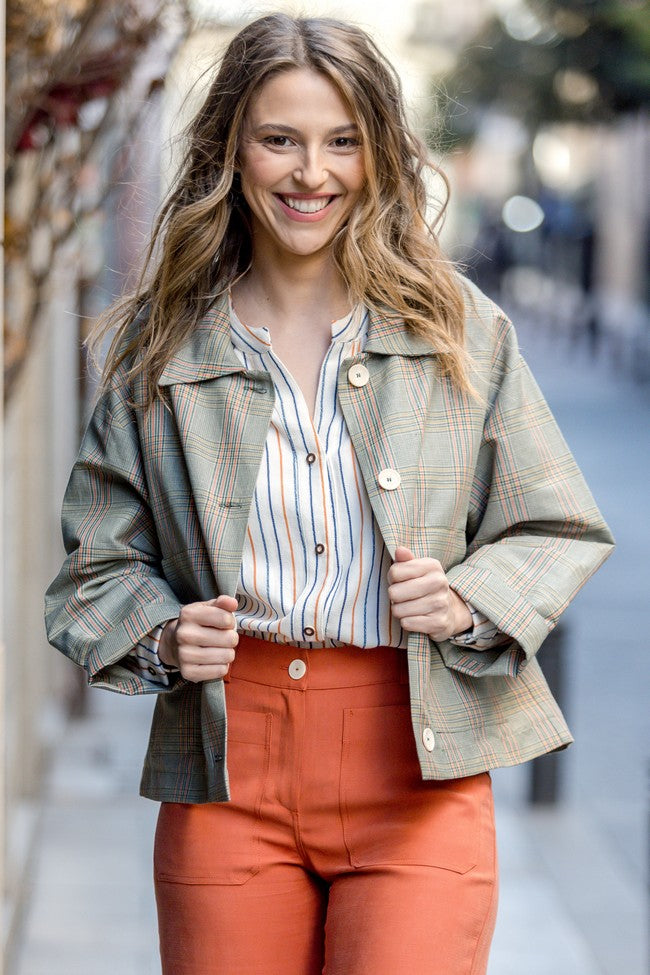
156	509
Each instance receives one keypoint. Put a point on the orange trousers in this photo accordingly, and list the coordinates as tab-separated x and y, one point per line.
333	855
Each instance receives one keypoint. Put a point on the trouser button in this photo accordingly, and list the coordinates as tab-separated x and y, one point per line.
297	669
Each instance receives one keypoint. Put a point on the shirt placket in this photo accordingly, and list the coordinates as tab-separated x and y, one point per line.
306	624
328	421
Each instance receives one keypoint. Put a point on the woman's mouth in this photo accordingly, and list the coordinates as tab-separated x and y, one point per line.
307	205
305	208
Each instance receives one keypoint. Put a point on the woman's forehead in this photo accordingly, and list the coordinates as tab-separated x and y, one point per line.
299	92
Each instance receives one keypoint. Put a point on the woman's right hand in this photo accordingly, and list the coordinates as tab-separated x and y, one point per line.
202	641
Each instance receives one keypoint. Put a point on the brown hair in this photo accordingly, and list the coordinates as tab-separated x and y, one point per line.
388	254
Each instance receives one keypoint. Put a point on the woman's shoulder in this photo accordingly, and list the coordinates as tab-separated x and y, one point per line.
119	375
487	325
480	309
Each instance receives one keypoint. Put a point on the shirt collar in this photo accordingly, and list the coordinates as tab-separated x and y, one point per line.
353	326
208	352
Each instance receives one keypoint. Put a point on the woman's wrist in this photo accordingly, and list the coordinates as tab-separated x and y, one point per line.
167	648
461	615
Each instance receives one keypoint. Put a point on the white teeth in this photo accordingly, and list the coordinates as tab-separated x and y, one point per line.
307	206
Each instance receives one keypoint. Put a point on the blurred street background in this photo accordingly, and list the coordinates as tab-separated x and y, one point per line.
538	112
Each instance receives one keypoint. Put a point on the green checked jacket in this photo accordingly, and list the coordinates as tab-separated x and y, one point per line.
156	509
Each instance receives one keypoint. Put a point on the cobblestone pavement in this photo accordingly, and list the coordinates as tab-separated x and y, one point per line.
572	875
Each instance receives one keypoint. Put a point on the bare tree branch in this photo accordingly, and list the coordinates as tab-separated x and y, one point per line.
100	42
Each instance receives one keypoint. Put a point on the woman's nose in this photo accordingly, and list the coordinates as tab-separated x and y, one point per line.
311	172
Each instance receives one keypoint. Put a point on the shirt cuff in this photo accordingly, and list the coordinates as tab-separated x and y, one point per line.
144	658
483	635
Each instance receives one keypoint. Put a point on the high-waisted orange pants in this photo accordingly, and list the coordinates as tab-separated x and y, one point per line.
333	855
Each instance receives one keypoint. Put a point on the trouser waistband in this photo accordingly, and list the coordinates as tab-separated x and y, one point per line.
283	665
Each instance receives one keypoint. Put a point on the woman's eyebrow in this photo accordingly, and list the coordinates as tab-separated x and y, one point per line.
279	126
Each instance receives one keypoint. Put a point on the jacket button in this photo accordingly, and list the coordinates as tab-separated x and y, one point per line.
310	458
389	479
309	631
358	375
428	739
297	669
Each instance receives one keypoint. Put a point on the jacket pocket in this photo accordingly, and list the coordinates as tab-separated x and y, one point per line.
218	843
390	815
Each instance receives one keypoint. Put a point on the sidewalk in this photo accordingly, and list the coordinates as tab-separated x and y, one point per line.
90	909
573	882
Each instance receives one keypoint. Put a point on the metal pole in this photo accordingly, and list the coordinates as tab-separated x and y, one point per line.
545	771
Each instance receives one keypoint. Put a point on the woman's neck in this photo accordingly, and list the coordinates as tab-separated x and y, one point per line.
292	291
297	302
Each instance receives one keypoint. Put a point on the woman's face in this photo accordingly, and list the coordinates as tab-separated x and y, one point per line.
300	162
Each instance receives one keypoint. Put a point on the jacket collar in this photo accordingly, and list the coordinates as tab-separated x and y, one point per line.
208	352
388	335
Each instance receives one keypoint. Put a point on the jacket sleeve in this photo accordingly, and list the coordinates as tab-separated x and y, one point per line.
535	534
110	591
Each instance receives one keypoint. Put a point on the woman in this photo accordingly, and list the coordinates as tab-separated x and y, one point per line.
320	493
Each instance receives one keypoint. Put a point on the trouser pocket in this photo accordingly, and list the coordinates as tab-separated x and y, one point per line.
218	843
390	815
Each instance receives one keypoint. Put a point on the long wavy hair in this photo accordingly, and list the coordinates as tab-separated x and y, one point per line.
387	252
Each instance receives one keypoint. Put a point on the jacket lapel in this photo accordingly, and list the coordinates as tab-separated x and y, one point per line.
386	418
222	413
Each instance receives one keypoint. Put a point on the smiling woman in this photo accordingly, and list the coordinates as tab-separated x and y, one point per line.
307	169
301	170
322	510
311	163
204	231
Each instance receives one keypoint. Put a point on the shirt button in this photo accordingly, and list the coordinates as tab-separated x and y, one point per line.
389	479
309	631
320	548
297	669
428	739
310	458
358	375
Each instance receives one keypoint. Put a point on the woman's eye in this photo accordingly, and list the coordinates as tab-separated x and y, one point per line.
346	142
278	141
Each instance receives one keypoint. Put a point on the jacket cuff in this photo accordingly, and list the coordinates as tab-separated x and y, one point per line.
113	670
523	627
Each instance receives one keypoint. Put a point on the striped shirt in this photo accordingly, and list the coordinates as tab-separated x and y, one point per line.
314	569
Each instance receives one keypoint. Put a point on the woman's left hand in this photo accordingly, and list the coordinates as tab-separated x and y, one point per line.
421	598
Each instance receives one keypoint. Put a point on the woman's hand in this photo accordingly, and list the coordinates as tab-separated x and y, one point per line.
202	641
421	598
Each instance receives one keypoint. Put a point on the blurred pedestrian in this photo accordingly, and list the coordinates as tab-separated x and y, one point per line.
320	495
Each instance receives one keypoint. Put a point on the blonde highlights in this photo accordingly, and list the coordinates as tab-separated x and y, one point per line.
388	255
